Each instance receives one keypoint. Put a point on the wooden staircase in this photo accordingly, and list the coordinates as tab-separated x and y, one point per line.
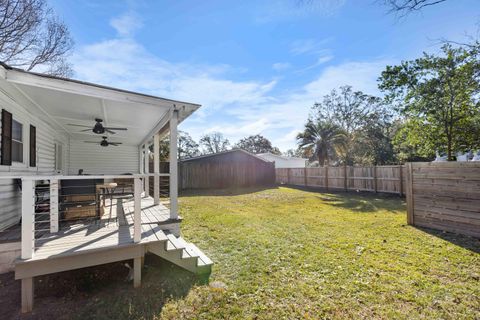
183	254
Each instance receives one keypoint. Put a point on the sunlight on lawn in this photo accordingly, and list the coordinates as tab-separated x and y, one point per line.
286	253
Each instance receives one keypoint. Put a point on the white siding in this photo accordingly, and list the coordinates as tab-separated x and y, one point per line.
21	109
284	162
95	159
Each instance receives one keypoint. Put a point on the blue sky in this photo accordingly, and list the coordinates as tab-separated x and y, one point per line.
257	67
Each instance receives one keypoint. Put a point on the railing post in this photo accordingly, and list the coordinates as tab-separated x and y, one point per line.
53	206
156	169
146	169
28	218
137	219
173	166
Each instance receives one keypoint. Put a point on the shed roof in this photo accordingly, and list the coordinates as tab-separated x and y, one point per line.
280	156
212	155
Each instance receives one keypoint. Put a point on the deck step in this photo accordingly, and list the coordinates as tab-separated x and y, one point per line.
183	254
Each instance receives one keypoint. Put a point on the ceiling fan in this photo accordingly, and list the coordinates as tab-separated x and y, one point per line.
98	128
105	143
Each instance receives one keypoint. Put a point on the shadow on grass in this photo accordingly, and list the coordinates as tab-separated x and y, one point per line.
466	242
365	202
100	292
226	191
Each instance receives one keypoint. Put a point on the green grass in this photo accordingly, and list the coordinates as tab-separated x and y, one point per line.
285	253
290	254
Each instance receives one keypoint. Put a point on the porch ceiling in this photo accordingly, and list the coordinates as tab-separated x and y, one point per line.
66	102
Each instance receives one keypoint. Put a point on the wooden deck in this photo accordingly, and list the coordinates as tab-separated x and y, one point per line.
114	229
111	239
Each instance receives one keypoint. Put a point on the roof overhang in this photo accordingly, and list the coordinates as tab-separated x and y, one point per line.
67	101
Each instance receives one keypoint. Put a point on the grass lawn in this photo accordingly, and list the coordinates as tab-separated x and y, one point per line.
286	254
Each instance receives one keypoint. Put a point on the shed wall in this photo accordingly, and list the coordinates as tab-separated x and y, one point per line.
233	169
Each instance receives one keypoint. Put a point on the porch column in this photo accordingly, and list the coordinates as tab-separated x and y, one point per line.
28	218
156	169
146	169
53	205
173	166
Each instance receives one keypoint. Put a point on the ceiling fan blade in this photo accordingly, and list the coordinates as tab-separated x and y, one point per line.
78	125
115	143
85	130
92	142
110	128
110	131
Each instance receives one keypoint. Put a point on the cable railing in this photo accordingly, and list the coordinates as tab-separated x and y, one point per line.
52	204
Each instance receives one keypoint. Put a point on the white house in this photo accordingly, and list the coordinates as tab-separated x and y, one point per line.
284	161
73	170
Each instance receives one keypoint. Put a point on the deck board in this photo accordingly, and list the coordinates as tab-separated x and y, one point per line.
114	229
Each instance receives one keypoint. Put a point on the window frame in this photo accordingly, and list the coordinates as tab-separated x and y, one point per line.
24	143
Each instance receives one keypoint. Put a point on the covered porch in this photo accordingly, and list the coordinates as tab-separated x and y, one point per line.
94	205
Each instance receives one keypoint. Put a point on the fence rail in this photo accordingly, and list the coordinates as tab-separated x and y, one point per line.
388	179
444	196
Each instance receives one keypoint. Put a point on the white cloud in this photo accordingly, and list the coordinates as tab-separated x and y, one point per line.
281	66
309	46
126	24
281	10
320	61
235	108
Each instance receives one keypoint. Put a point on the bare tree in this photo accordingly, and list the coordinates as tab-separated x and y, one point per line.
33	38
406	6
214	143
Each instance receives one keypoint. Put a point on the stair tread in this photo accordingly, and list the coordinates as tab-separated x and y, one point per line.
174	241
203	259
191	252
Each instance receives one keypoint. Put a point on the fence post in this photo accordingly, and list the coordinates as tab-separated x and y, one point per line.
28	218
326	177
305	175
409	194
289	173
345	183
375	187
400	167
53	206
137	219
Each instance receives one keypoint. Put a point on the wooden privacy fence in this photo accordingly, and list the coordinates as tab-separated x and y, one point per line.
444	196
389	179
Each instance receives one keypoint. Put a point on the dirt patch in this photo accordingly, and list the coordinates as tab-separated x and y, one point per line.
93	292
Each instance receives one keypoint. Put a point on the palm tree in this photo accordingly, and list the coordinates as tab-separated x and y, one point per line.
322	139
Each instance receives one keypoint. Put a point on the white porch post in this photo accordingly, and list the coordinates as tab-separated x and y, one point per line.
173	166
156	169
146	169
28	218
137	211
53	205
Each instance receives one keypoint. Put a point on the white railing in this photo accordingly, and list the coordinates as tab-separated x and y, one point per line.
29	203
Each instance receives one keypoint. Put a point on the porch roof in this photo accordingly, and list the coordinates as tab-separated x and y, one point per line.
66	101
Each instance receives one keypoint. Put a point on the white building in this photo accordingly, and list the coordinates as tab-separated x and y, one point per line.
284	161
73	153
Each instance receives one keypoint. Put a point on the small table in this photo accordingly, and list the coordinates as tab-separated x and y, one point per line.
105	189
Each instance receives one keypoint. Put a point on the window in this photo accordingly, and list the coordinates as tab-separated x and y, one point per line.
17	141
